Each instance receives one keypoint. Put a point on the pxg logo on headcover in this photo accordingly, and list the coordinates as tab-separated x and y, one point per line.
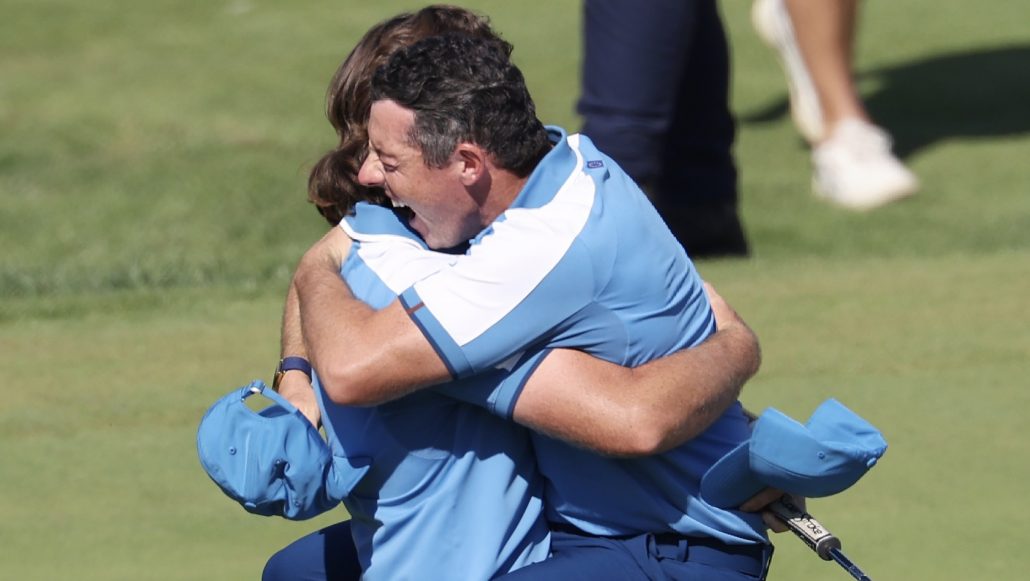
273	462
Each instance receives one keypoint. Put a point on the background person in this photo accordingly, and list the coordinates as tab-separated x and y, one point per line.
655	97
852	159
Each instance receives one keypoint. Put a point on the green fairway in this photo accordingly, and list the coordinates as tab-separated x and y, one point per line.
153	162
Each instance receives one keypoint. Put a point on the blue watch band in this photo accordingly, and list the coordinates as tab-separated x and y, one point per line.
290	364
295	363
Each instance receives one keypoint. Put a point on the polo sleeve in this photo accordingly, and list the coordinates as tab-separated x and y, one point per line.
497	390
500	299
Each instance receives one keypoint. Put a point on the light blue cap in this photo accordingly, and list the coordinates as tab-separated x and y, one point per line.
824	456
273	462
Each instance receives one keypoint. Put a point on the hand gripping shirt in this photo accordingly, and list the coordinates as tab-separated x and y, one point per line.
452	490
582	259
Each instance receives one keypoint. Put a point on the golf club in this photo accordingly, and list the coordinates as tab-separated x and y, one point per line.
815	535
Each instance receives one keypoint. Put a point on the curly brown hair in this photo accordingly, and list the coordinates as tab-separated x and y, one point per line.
333	185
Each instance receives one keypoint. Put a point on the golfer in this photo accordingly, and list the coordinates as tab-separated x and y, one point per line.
566	252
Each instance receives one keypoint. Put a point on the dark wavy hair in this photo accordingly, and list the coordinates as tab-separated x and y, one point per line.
463	89
332	184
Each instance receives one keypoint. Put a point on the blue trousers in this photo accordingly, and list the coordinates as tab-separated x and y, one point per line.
577	557
325	555
329	555
655	96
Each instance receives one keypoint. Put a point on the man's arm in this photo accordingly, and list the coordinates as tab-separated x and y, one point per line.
295	386
363	356
645	410
366	357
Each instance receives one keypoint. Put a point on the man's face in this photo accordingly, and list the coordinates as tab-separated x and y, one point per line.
442	210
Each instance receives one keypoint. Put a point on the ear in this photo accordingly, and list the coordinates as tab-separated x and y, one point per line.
471	161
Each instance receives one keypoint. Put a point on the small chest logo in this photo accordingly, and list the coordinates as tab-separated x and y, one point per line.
594	164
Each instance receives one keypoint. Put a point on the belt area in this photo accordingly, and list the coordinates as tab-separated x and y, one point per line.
751	559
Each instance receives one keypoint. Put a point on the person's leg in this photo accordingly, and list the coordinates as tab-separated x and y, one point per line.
632	66
636	64
825	32
325	555
697	189
853	163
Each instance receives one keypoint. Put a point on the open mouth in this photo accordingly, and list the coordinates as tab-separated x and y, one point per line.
403	212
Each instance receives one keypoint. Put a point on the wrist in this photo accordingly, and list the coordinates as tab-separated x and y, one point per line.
290	364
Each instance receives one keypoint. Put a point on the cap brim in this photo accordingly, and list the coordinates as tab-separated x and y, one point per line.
730	481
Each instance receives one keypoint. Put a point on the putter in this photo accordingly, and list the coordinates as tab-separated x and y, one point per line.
815	535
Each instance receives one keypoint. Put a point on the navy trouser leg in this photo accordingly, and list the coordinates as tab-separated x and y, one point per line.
698	167
325	555
633	58
655	95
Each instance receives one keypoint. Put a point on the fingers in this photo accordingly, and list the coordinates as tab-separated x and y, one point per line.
761	500
773	522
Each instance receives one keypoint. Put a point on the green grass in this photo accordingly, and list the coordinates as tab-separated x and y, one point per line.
152	169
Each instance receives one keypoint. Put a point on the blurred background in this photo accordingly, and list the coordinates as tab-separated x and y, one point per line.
153	164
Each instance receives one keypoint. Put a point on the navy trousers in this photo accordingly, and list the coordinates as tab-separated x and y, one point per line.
655	97
578	557
325	555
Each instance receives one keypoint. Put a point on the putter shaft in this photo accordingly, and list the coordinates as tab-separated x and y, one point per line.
850	567
815	535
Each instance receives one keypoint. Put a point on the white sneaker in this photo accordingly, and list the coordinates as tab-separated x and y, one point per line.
772	23
855	168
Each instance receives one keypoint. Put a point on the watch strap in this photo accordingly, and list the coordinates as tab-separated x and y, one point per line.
290	364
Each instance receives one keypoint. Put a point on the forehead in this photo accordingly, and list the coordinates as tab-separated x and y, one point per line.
389	125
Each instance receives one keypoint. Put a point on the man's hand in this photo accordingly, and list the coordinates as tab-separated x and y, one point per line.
363	356
331	250
762	500
296	389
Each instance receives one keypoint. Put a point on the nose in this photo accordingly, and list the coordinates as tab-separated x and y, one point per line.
371	172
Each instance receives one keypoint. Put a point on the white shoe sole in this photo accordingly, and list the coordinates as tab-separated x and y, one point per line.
867	202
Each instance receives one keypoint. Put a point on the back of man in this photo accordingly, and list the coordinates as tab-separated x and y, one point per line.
600	272
451	491
647	301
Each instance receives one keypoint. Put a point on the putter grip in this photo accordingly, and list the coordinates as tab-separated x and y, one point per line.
805	527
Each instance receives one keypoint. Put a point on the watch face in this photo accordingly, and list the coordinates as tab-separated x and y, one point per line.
278	377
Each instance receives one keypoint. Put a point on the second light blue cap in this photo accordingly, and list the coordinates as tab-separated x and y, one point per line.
822	457
273	462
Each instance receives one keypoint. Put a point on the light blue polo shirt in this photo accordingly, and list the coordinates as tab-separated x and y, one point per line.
582	259
452	491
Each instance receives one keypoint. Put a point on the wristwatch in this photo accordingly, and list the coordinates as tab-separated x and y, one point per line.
290	364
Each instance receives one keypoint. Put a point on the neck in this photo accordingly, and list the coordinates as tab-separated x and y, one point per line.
503	187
